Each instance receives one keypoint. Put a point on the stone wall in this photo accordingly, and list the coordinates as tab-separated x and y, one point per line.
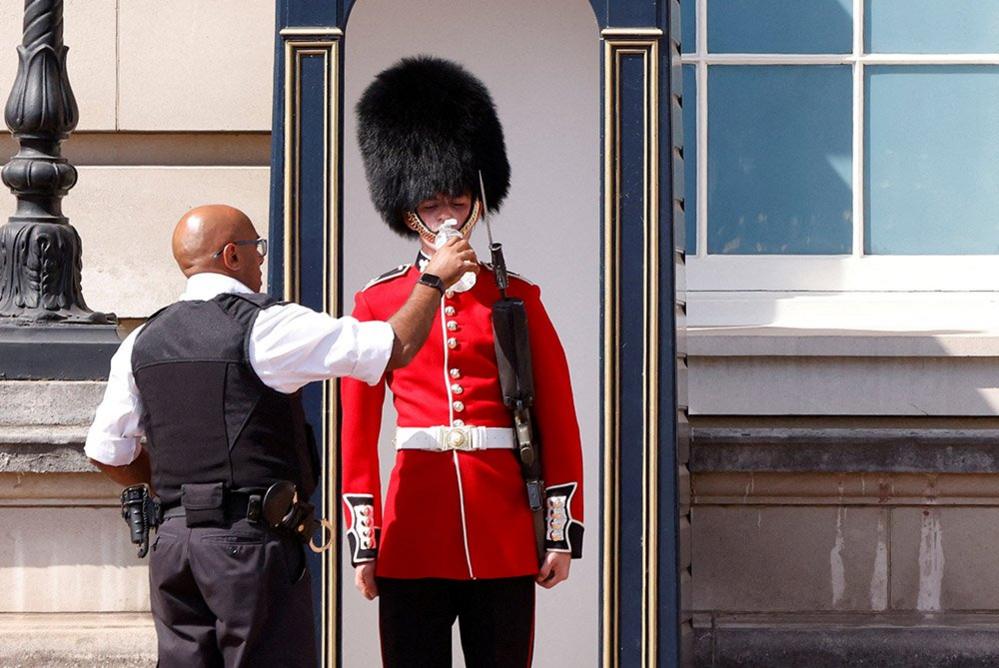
175	106
175	111
72	591
845	504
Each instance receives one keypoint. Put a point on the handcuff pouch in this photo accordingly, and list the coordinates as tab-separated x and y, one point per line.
204	504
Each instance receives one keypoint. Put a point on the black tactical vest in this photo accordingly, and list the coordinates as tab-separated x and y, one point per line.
207	415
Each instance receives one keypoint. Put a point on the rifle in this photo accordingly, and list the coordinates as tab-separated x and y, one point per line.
513	357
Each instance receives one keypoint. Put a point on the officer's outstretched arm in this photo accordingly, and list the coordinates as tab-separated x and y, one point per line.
135	473
411	323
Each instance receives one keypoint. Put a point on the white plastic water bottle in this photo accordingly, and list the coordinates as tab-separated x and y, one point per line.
449	229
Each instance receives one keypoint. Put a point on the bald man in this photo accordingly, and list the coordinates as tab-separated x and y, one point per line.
213	384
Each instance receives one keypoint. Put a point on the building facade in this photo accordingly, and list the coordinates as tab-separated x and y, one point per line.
841	297
842	281
174	111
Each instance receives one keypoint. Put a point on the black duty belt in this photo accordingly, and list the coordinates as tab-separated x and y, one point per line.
277	508
237	505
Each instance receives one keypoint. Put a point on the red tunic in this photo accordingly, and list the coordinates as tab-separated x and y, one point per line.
458	514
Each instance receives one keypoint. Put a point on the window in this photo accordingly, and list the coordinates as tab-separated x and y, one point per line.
841	145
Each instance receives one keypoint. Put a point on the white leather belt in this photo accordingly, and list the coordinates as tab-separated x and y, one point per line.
442	439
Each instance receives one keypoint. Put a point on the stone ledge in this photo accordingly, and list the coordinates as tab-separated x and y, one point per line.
91	489
33	434
49	403
40	449
835	640
756	488
835	450
124	640
57	352
795	342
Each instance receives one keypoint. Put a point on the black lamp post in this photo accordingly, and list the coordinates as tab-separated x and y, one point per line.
46	329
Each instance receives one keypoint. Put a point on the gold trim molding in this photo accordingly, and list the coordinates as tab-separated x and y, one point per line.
631	33
297	32
620	43
301	43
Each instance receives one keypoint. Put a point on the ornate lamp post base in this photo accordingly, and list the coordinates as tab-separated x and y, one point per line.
40	275
46	329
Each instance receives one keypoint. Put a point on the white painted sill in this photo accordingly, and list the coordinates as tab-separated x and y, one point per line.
793	342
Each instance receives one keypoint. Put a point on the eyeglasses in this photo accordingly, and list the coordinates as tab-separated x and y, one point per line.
261	245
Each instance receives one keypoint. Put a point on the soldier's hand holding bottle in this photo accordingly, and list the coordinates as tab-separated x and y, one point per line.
452	261
411	323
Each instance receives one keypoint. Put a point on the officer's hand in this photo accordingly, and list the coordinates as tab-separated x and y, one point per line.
452	261
555	569
364	580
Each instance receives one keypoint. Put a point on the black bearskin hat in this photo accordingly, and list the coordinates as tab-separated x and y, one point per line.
426	125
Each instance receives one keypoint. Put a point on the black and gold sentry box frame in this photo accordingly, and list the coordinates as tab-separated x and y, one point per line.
643	509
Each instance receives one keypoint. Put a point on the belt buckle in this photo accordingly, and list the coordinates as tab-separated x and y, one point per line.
457	438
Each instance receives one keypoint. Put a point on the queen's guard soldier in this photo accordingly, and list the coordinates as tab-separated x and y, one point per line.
455	538
212	382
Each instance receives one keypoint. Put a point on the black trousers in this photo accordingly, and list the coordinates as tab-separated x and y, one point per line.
495	619
235	596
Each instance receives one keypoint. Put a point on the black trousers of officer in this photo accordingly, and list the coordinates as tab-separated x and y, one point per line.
495	620
230	596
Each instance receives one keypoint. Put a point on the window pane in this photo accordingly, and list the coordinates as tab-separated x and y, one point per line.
690	156
780	26
932	26
779	159
932	147
688	30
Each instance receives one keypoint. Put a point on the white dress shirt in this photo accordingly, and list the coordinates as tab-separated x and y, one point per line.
290	346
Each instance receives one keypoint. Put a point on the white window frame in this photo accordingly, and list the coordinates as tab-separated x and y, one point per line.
826	274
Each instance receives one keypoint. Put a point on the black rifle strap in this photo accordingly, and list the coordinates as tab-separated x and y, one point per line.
513	352
513	358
